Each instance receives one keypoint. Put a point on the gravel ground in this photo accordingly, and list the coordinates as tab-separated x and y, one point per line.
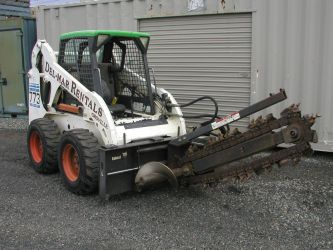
14	123
289	208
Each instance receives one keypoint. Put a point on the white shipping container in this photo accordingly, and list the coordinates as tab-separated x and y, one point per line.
291	43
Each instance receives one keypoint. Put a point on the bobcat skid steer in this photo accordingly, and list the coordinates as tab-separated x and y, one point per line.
95	115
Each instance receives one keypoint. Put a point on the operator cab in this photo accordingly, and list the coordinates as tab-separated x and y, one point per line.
113	64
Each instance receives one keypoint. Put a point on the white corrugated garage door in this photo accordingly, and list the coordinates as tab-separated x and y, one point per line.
203	55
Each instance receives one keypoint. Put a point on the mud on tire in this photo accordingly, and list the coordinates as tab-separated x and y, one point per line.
43	140
78	157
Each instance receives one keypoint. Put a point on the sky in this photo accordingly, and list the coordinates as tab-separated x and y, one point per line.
34	3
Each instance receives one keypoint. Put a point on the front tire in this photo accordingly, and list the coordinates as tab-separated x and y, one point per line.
43	141
78	157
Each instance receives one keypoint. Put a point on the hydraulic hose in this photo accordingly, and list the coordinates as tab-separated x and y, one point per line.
200	115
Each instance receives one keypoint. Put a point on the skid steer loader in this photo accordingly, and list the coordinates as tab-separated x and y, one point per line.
95	115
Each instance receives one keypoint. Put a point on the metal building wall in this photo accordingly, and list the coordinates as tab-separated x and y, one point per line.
55	20
15	8
203	55
293	49
292	43
120	14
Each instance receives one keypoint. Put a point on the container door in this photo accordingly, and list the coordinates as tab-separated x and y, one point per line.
12	84
203	55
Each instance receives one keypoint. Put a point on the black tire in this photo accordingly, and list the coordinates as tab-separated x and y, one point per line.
45	133
78	157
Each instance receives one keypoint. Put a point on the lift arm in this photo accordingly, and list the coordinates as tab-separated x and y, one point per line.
254	108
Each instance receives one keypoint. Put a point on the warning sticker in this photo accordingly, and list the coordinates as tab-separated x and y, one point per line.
225	120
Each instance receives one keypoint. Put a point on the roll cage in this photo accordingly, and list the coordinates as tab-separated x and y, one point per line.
115	67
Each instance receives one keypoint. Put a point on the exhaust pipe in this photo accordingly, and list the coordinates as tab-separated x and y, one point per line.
153	173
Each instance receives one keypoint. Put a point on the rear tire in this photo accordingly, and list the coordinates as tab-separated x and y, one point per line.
43	141
78	157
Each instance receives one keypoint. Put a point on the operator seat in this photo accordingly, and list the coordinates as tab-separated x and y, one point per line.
108	89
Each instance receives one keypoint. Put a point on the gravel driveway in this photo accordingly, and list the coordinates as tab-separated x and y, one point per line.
289	208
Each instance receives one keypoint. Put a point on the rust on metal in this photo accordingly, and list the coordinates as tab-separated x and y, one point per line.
291	127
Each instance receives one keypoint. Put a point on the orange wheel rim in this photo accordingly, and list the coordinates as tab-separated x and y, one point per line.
70	162
36	147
